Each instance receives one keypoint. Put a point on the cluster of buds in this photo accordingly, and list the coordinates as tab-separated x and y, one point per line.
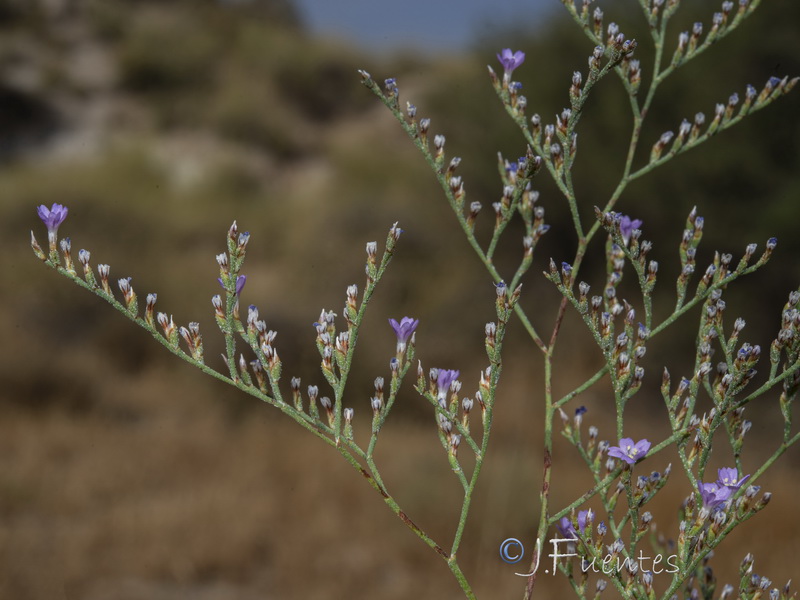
474	209
689	42
377	402
659	146
725	113
313	394
647	486
54	217
270	359
84	257
615	261
103	271
168	326
658	9
572	427
505	302
447	387
149	310
597	22
66	251
351	306
618	43
755	586
788	339
392	92
575	88
634	74
327	405
326	332
594	60
347	430
128	295
372	264
194	341
297	397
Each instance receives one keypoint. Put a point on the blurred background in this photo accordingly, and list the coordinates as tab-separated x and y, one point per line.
125	474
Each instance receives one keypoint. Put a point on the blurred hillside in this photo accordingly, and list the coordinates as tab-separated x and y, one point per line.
125	475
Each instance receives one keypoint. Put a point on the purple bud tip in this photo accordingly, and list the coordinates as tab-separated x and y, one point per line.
772	242
53	216
445	378
581	411
773	81
627	225
240	281
566	267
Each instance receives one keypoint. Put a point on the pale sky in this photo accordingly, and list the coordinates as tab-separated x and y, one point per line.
446	25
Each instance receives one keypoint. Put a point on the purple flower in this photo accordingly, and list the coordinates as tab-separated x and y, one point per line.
626	227
728	479
53	216
510	60
629	451
403	331
713	495
240	281
567	529
446	377
583	517
404	328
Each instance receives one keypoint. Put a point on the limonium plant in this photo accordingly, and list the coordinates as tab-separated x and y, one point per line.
604	530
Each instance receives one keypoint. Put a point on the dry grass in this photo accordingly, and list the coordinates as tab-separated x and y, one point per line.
170	487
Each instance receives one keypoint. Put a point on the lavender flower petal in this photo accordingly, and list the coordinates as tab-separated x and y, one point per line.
446	377
626	227
240	281
629	451
53	216
404	328
714	495
510	60
566	529
729	478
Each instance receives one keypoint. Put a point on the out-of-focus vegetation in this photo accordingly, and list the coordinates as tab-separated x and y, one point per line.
123	474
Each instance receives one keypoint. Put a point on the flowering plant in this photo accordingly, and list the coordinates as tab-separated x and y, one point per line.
609	524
